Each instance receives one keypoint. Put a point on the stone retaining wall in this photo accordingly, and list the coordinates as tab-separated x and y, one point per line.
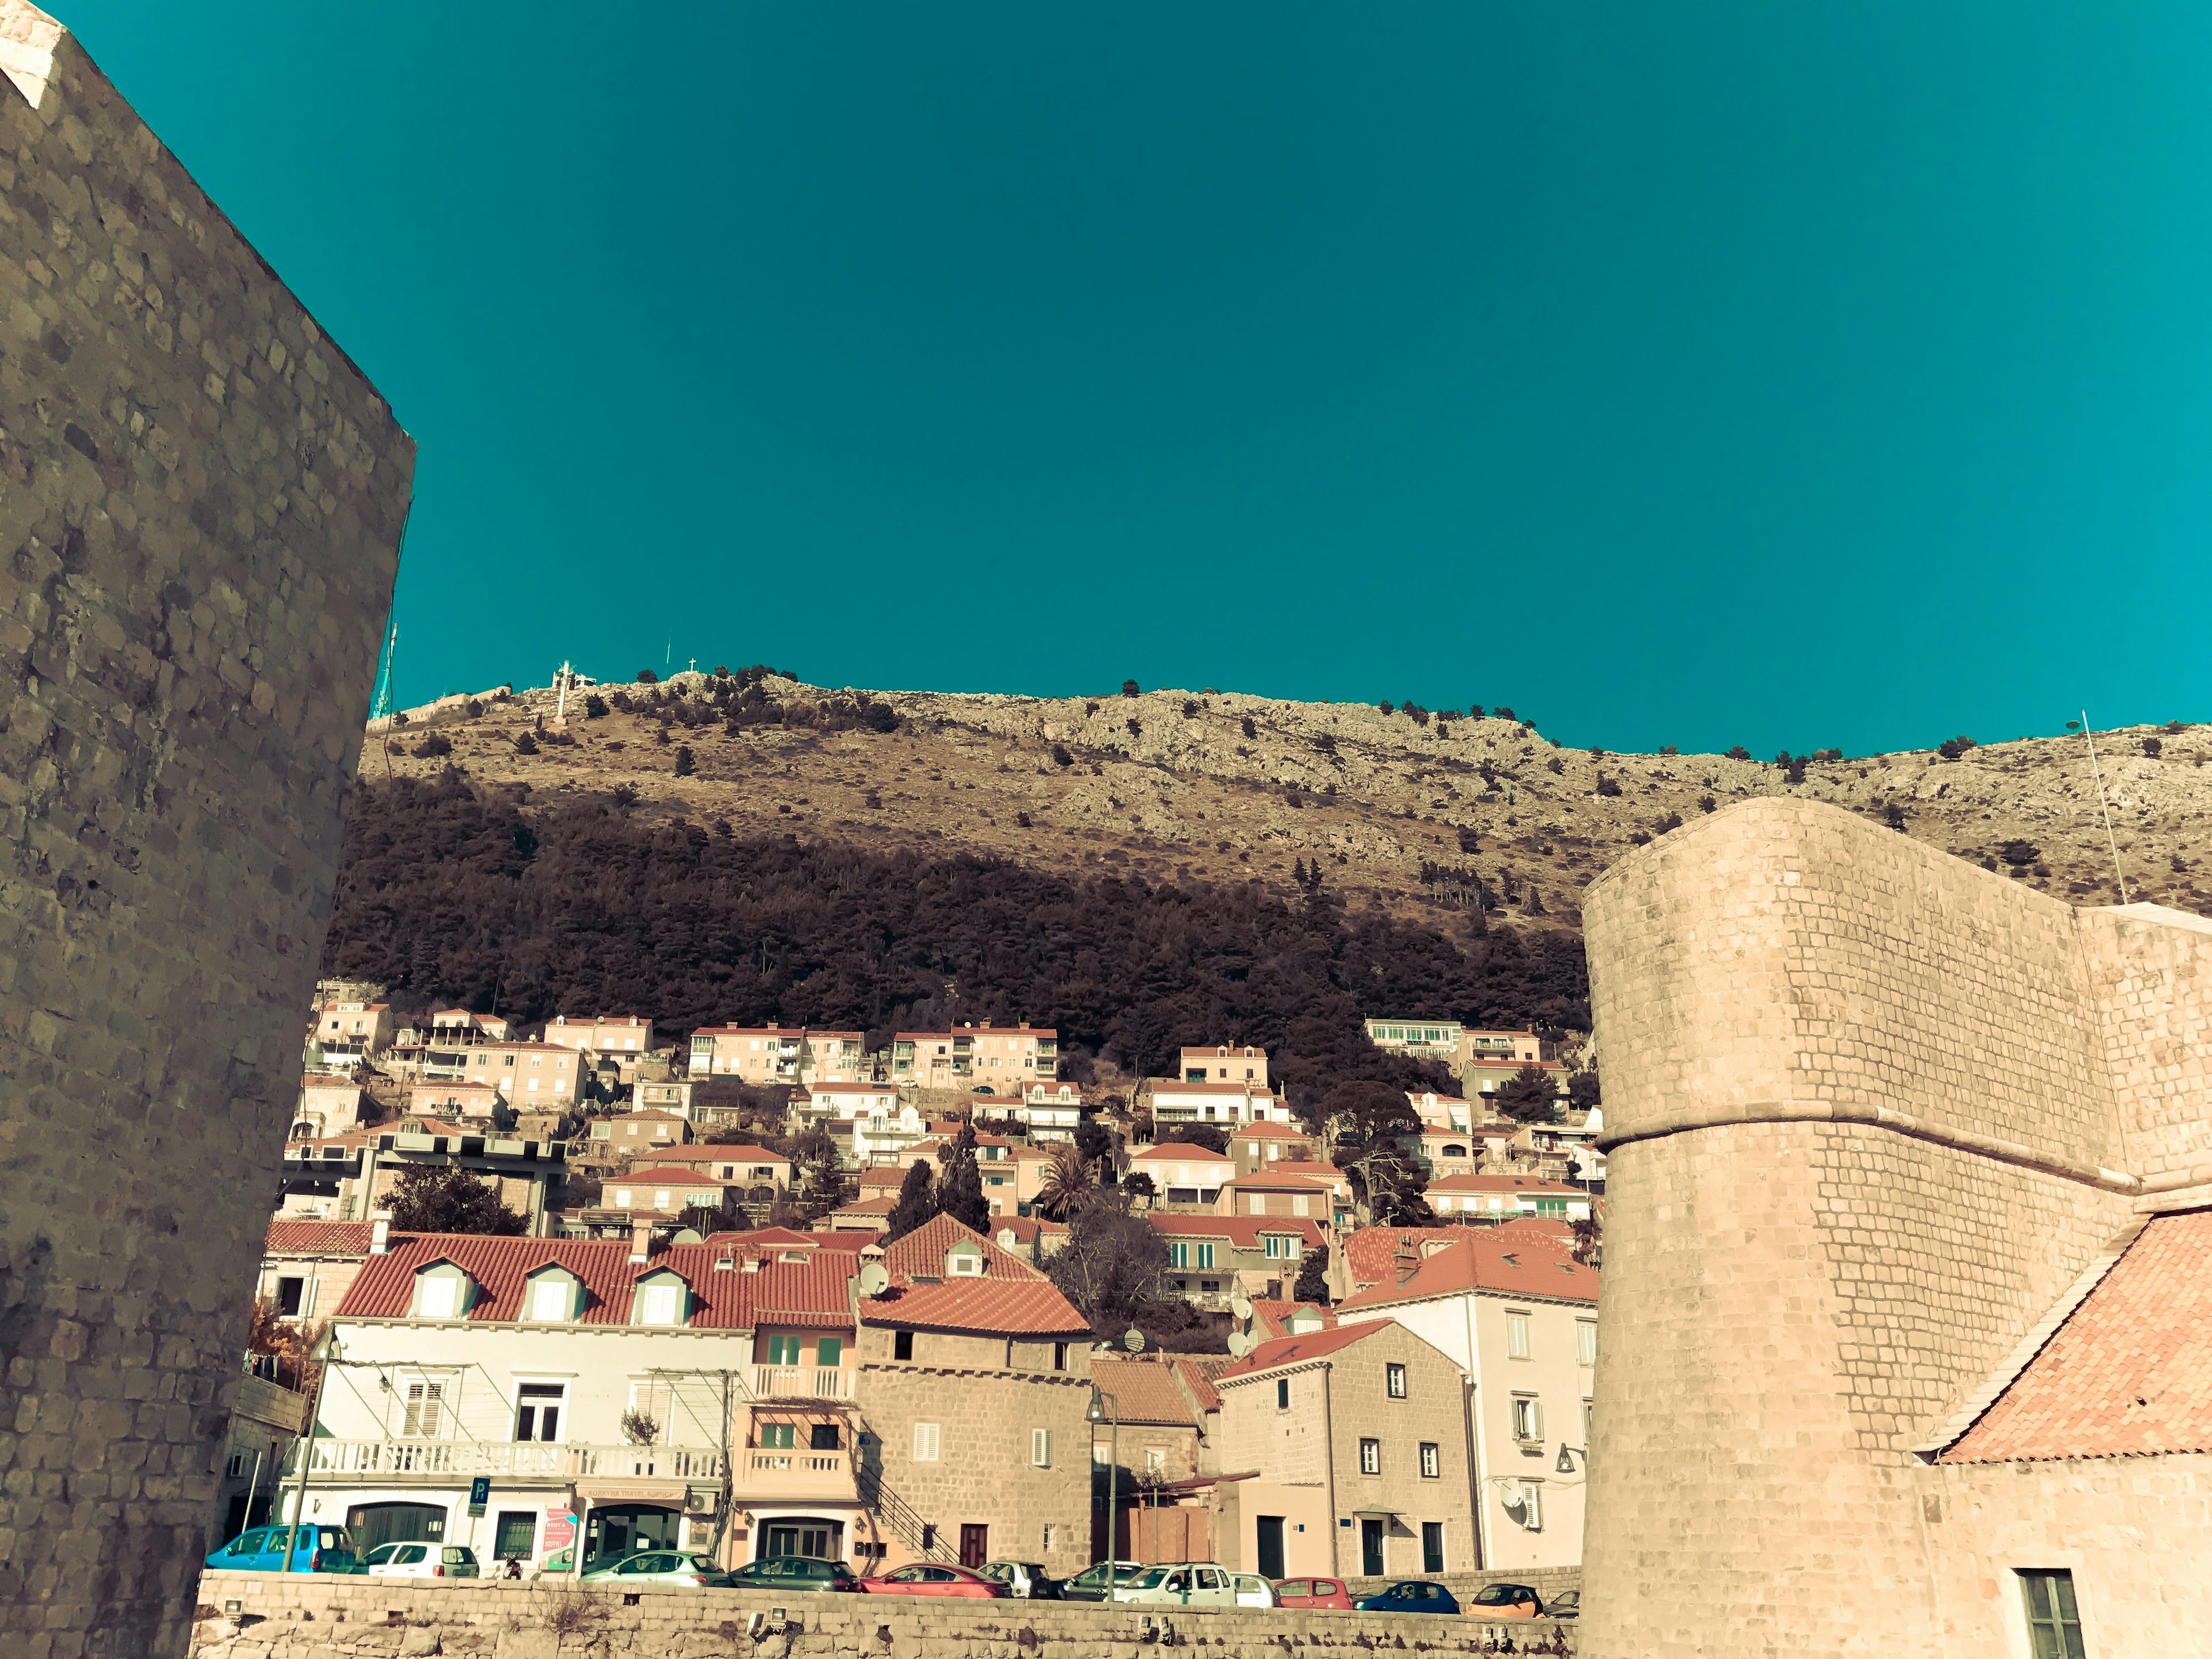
313	1616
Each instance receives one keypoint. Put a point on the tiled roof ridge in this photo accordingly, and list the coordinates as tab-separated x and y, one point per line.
1970	1411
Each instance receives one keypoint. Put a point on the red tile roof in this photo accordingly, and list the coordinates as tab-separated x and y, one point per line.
1198	1371
1488	1259
1241	1230
1027	1229
659	1177
1268	1129
812	1293
1177	1151
1504	1183
1169	1086
1144	1391
712	1154
1009	1299
1297	1350
1369	1252
2128	1374
288	1238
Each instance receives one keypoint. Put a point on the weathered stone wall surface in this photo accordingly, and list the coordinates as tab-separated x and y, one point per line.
314	1618
1869	1104
2132	1530
200	507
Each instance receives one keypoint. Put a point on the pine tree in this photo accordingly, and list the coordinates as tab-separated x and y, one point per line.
1313	1277
916	1206
960	1188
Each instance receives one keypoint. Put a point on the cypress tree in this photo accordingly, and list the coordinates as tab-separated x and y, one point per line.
916	1206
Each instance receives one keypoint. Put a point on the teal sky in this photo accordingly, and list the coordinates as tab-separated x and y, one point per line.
1791	375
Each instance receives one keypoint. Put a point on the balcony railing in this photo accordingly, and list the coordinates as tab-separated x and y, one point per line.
450	1460
798	1472
800	1382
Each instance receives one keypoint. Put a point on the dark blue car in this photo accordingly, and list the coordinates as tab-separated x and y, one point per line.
316	1549
1414	1595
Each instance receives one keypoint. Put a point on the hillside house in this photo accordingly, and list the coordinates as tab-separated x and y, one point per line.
1223	1063
1211	1260
1007	1057
1183	1176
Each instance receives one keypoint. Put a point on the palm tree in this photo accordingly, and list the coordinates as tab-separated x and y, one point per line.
1069	1181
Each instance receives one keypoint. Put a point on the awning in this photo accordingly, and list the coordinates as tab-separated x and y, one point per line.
1375	1515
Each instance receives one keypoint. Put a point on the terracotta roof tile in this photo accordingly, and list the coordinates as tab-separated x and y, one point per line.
289	1237
1504	1183
2128	1374
813	1293
1274	1317
1198	1371
1145	1391
1526	1263
1179	1151
1297	1350
1009	1298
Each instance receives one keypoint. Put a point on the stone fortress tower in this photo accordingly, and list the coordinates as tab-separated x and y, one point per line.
201	500
1872	1113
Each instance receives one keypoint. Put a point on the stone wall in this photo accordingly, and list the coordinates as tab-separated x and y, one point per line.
317	1617
1863	1103
200	507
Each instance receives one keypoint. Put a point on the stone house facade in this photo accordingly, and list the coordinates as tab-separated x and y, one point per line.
1359	1438
973	1388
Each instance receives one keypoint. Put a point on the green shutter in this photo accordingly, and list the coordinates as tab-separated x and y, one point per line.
830	1351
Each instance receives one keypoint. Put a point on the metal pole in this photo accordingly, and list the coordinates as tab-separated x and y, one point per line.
1113	1473
307	1445
2097	773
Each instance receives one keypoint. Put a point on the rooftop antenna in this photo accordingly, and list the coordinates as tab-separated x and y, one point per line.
561	706
2105	807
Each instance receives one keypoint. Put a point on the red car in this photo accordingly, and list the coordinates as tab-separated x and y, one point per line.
931	1578
1313	1593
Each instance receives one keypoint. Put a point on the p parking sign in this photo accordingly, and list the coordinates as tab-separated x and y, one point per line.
479	1494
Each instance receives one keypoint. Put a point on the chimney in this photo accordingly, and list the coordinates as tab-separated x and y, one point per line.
641	1239
379	1233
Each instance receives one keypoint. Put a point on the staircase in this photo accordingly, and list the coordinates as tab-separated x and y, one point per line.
927	1542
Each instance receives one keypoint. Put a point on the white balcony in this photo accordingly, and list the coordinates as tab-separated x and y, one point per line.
800	1473
801	1382
443	1462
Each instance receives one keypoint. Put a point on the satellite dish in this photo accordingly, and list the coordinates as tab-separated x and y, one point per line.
1133	1339
1241	1343
685	1236
1241	1304
873	1280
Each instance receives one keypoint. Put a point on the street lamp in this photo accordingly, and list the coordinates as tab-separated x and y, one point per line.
326	1351
1104	1408
1566	1464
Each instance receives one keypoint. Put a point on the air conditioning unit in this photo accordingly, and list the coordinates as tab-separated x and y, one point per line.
698	1502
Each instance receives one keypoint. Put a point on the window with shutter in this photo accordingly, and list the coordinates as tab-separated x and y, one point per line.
925	1440
1041	1448
423	1414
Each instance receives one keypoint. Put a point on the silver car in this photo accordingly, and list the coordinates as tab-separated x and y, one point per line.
424	1561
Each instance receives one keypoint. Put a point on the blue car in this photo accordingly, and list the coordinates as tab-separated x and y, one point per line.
317	1549
1414	1595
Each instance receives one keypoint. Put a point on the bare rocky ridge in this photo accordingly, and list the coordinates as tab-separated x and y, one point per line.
1167	784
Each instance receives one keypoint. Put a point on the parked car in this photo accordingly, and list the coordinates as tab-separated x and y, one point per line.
794	1572
1312	1593
316	1549
933	1578
1025	1581
1567	1604
426	1561
1413	1595
1251	1589
1096	1582
1186	1583
1506	1601
666	1567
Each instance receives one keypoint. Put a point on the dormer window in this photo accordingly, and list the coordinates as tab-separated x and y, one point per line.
963	1261
661	1298
442	1291
552	1296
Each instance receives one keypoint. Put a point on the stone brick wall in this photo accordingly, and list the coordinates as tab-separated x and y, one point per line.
315	1618
982	1473
200	507
1869	1107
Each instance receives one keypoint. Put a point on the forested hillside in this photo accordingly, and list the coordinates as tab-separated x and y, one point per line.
453	891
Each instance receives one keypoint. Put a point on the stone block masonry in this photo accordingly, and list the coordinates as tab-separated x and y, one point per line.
319	1617
201	500
1873	1110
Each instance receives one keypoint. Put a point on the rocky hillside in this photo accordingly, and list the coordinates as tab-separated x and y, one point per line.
1417	812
